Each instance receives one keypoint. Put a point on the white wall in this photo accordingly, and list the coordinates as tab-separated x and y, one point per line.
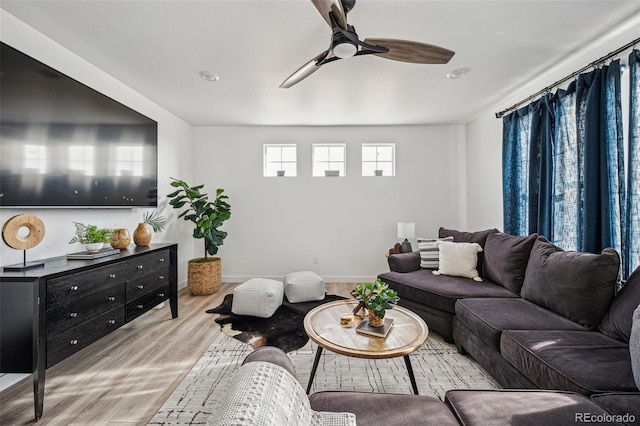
174	153
484	134
278	225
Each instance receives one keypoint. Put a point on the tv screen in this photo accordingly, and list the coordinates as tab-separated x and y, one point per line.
63	144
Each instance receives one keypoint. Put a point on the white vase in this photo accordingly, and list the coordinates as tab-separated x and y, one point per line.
93	247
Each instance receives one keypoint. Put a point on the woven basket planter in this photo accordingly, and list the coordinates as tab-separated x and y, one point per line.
204	276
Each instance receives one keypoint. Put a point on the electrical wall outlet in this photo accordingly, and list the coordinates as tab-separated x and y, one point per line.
316	259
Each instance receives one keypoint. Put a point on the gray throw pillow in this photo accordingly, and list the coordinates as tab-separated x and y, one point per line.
634	346
617	322
579	286
505	259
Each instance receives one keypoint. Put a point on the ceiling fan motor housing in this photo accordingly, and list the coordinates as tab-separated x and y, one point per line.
342	46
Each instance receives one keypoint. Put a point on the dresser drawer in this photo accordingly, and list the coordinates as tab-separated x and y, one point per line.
144	265
66	314
142	304
147	283
64	290
71	341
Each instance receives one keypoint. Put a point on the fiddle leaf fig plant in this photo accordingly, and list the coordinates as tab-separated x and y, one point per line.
376	296
206	215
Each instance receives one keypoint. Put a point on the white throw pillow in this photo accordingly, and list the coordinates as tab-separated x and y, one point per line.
458	259
634	346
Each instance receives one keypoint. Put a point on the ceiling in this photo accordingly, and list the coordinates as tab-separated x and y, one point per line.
159	48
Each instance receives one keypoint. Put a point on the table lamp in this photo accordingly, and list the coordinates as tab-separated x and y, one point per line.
406	230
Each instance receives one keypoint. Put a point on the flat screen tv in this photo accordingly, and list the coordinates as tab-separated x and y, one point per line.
63	144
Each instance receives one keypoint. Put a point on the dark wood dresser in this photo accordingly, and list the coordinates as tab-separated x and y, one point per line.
51	312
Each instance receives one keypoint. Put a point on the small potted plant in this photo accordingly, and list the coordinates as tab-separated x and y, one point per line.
91	236
377	298
142	234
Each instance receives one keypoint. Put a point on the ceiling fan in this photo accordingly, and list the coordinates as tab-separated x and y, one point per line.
345	44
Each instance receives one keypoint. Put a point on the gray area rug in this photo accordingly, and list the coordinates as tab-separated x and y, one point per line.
437	366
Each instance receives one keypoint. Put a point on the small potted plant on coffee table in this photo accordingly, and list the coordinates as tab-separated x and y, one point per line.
377	298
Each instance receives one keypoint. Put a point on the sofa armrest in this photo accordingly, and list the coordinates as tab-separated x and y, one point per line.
273	355
404	262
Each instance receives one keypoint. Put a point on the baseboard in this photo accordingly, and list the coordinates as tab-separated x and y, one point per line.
327	279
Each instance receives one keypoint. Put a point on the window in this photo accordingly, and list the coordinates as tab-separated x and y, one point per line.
378	159
81	158
329	160
280	160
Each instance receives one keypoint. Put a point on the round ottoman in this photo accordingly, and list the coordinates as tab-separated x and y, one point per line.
303	286
258	297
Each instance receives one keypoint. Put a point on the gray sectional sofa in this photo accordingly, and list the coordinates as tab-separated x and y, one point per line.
549	325
267	393
541	318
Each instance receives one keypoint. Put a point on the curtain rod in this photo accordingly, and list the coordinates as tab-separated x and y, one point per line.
569	77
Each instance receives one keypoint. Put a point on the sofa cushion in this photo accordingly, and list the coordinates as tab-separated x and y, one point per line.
580	361
479	237
620	404
429	253
440	292
505	259
617	321
266	394
458	259
634	346
489	317
520	407
576	285
385	408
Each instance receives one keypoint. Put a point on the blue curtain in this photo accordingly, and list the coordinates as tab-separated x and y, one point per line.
631	247
599	118
563	165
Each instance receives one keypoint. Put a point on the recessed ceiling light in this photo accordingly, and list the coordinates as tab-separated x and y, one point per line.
206	75
457	73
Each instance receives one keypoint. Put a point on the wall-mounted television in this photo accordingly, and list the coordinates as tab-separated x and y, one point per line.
63	144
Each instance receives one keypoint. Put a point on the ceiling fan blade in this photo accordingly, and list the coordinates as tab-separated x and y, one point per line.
306	70
411	51
335	6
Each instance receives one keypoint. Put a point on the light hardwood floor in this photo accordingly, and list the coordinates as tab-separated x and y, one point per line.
125	377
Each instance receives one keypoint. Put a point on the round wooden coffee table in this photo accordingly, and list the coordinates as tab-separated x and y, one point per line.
323	327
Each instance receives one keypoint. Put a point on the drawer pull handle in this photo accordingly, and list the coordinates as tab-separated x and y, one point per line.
161	259
112	275
160	294
73	314
111	322
74	342
139	266
161	277
140	286
140	306
74	288
111	298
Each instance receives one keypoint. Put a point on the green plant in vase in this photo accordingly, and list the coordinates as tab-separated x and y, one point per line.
377	297
91	236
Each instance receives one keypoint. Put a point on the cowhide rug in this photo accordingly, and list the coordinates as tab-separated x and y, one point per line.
285	328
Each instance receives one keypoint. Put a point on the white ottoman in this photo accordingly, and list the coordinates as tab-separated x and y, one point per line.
303	286
258	297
